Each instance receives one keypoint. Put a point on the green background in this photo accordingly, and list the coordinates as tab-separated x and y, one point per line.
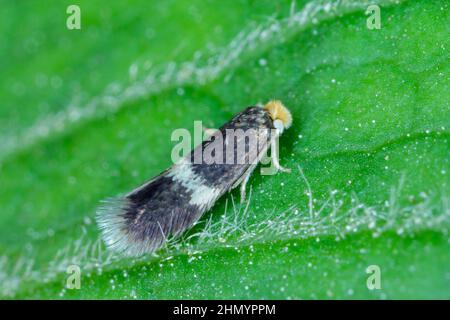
87	114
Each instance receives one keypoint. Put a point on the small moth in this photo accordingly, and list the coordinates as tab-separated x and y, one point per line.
170	203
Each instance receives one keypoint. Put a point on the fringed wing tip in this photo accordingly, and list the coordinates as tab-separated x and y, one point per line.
116	230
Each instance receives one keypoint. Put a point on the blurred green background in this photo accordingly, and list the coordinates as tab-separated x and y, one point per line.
87	114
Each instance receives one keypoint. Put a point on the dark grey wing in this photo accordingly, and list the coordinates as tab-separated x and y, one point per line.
143	220
242	141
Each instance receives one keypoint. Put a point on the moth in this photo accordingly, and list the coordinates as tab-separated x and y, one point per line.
141	221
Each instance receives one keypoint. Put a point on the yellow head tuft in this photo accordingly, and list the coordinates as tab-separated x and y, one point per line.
278	111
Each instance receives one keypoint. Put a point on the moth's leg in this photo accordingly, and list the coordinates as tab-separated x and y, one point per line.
242	181
275	159
244	185
279	166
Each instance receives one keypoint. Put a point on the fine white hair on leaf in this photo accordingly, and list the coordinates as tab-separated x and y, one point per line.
234	229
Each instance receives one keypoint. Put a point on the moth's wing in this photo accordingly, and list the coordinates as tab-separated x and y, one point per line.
253	154
170	203
142	221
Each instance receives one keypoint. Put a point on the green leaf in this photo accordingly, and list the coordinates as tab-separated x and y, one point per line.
87	114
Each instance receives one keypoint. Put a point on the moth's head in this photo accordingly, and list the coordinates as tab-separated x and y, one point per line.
280	115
